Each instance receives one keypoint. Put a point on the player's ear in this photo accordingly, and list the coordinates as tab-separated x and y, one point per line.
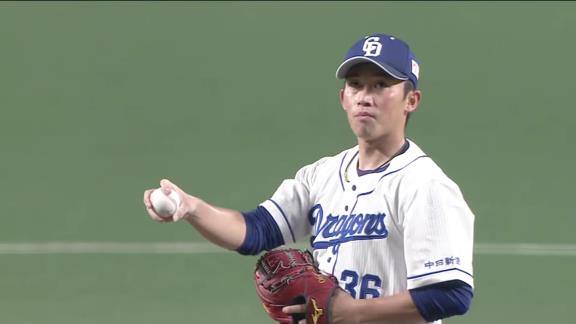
341	96
413	100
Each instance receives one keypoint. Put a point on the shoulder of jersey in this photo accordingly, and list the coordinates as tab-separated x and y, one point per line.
420	167
334	160
327	164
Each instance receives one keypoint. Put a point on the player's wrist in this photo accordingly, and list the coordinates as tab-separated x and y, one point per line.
345	309
192	207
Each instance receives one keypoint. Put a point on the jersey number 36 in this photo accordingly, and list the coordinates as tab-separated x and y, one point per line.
368	284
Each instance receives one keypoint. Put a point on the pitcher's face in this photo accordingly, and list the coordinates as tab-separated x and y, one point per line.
375	102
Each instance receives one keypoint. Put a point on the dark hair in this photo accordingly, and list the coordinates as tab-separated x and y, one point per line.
408	86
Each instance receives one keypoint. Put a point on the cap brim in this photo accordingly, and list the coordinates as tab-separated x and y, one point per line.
349	63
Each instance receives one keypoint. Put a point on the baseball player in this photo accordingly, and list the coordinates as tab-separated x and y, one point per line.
381	217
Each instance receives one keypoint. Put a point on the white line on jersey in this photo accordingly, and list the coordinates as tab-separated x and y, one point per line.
9	248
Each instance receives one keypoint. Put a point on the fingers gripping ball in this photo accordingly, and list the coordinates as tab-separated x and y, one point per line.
290	276
163	205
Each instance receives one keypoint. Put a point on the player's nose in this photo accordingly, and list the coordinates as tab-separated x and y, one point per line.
365	100
364	97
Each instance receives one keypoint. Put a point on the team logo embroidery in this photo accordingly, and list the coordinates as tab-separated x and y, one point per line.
318	312
372	46
333	230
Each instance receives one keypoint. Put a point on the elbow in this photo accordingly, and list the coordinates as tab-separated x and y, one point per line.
462	301
443	300
463	306
262	232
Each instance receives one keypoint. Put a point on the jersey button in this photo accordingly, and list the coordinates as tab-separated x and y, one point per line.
353	187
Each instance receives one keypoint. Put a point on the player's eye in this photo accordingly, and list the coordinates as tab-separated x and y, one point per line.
354	84
380	85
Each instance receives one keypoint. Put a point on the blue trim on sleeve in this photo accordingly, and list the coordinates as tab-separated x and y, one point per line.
442	300
285	218
435	272
262	232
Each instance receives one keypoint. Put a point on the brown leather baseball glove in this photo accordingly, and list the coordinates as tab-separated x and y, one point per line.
289	277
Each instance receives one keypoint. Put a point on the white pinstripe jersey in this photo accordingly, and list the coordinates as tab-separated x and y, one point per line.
399	227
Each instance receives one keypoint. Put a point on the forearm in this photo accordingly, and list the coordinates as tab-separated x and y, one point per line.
221	226
399	307
423	304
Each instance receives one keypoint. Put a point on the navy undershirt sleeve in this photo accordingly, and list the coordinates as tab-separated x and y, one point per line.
262	232
442	300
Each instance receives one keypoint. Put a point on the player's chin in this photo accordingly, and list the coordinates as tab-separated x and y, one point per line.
363	121
365	132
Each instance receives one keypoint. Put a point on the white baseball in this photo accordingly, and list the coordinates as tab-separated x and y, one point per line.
163	205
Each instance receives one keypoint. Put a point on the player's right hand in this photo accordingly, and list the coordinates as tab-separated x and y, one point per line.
182	211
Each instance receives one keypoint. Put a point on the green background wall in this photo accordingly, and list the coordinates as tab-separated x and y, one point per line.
100	100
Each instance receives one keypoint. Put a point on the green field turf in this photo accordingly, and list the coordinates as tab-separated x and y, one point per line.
100	100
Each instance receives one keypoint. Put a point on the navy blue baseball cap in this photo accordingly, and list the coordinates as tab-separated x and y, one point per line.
390	53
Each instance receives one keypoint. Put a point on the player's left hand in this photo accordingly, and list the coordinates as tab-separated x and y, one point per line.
290	277
295	310
341	311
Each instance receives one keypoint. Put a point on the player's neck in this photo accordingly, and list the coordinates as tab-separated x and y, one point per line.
373	154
